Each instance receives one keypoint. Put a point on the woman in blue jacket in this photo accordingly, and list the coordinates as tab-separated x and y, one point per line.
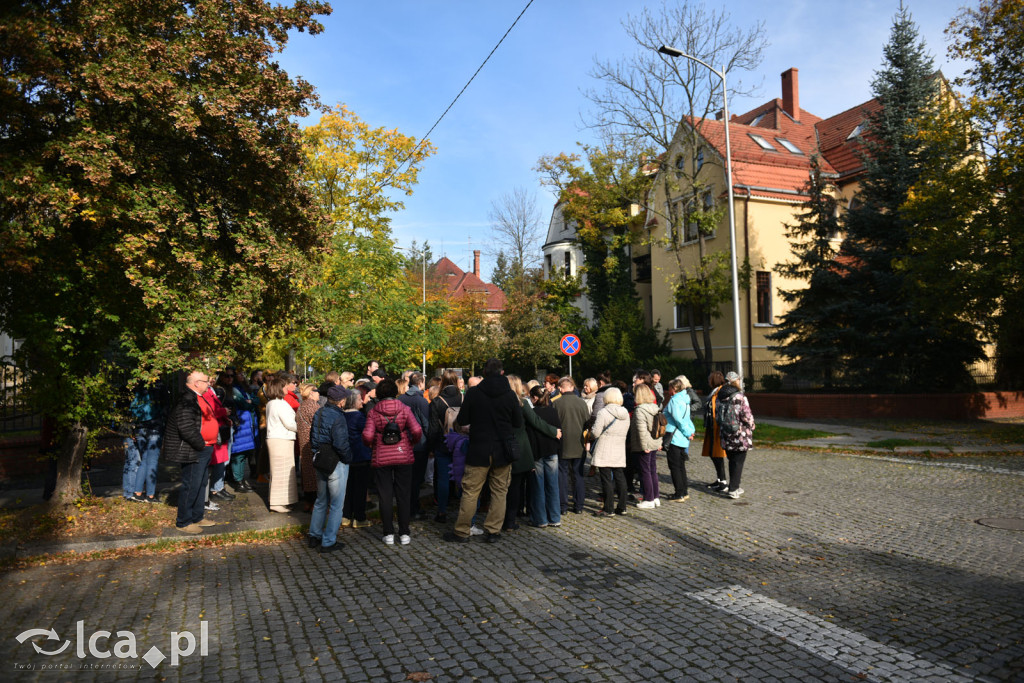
680	429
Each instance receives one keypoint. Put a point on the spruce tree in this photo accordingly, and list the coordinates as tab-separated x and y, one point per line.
887	339
809	330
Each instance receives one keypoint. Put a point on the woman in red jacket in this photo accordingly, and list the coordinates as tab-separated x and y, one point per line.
391	431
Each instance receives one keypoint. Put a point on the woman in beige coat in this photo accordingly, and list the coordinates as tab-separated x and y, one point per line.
281	430
646	446
611	427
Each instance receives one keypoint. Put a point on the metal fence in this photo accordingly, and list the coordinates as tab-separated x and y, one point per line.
15	413
764	375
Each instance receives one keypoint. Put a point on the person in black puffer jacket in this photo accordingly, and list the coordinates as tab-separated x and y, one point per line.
185	444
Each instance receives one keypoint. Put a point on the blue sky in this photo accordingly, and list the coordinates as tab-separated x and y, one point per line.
399	63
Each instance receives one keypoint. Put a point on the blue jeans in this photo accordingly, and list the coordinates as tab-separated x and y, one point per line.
195	477
546	508
442	476
330	491
141	452
572	472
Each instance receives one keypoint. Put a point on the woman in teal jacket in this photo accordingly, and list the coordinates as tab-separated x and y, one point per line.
680	429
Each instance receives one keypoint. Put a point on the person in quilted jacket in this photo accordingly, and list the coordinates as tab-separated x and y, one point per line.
736	444
392	463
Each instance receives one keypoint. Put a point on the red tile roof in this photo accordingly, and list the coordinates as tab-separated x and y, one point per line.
780	174
459	283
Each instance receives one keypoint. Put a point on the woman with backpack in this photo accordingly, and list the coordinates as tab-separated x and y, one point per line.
736	428
391	431
679	432
644	445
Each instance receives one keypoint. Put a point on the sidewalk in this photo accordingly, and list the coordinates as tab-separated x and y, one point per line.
850	437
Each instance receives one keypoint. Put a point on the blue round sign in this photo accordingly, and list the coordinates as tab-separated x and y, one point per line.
570	344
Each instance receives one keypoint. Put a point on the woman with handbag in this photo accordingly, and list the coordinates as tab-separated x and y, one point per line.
712	447
611	428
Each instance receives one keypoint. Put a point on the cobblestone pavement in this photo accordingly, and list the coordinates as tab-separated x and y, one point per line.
830	568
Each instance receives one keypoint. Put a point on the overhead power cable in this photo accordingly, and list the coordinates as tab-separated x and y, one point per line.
452	104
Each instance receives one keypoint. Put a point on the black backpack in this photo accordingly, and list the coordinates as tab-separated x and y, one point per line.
392	433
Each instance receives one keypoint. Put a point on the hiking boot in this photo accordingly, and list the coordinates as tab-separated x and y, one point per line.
191	529
206	523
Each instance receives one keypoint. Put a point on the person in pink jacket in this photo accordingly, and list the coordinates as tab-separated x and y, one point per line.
391	431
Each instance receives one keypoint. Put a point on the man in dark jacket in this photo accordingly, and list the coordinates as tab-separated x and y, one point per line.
330	431
414	398
573	414
187	443
492	411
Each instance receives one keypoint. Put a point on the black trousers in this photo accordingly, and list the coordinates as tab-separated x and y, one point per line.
736	460
419	475
355	492
677	457
514	499
613	481
393	483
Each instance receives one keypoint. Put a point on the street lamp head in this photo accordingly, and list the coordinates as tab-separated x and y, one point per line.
670	51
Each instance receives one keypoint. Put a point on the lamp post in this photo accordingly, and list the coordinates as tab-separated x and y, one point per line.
423	254
674	52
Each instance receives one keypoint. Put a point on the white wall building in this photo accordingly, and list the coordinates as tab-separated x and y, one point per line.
563	255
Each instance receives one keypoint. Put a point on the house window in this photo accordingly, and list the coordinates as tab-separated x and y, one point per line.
855	133
700	158
547	264
762	143
764	298
686	317
568	264
790	147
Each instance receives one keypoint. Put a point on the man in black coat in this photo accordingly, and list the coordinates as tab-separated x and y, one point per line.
492	411
186	445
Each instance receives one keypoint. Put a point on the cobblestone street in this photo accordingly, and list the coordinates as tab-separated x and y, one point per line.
831	568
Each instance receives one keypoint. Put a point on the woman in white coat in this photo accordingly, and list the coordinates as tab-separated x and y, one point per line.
611	427
281	431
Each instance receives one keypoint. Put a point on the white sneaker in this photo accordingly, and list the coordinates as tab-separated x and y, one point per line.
657	502
389	539
212	507
475	531
646	505
404	539
735	494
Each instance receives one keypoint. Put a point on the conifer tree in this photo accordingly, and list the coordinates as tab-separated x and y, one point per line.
809	330
887	339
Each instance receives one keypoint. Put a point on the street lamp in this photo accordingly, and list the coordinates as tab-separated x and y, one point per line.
423	254
674	52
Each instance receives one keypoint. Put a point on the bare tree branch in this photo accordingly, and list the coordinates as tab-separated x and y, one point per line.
516	228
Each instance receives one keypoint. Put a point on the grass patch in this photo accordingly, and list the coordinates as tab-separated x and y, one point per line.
170	546
771	434
892	444
88	517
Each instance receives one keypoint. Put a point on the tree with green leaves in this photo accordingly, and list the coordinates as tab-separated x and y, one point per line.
990	36
890	338
151	201
809	330
597	191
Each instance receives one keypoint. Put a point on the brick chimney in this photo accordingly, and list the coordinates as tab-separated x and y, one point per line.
791	93
476	262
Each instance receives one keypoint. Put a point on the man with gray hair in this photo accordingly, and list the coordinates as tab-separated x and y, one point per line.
189	438
573	413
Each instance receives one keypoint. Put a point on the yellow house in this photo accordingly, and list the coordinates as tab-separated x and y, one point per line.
771	150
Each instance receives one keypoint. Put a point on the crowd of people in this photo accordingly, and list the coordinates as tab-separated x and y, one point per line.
495	449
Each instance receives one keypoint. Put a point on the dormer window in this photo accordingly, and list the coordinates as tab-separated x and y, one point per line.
855	133
790	147
762	143
758	119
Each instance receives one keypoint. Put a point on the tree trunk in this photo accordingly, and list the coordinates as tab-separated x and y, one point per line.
69	466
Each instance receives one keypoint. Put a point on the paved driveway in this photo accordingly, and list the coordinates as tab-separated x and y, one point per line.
831	568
